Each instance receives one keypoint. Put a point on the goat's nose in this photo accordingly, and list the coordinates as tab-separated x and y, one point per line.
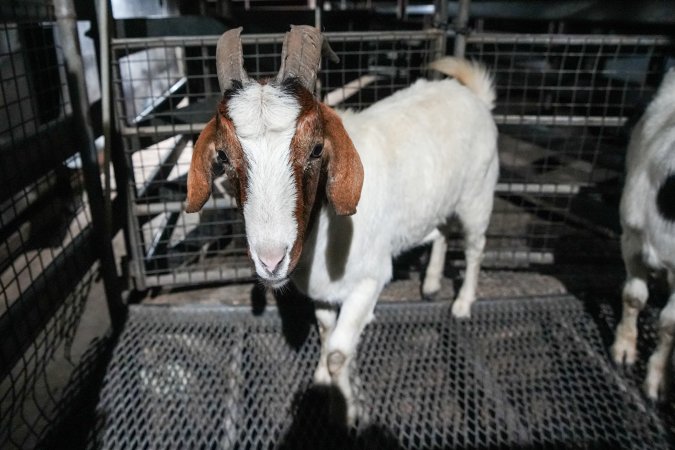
271	258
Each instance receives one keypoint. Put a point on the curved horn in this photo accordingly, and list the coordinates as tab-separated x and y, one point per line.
301	55
230	59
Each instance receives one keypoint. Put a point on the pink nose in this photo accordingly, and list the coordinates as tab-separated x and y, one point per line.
271	258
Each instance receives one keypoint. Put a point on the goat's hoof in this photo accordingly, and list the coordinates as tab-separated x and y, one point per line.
352	415
623	352
430	292
461	309
654	387
336	360
322	376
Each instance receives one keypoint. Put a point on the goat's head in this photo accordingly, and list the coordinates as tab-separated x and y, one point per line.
281	149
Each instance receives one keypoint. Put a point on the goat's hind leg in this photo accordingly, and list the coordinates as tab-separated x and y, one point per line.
434	271
634	298
474	222
658	362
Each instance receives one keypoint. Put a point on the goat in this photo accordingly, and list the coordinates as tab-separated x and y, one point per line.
424	154
647	215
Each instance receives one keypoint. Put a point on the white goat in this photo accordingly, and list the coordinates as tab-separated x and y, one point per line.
424	154
648	225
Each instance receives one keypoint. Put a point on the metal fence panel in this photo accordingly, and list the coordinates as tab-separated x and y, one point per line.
565	105
166	90
48	260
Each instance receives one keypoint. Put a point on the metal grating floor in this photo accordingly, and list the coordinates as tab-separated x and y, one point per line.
521	373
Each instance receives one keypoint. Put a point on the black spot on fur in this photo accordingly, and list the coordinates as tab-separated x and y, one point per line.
291	85
236	86
665	199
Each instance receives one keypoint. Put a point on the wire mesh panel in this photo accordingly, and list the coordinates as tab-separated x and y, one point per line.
523	373
565	105
166	90
47	260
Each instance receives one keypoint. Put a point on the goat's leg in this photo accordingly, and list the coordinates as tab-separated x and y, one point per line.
434	271
656	368
356	312
326	317
474	241
634	298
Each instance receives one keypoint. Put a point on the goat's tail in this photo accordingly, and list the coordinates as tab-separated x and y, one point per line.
471	74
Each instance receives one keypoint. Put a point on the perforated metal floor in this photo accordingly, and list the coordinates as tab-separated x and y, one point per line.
520	373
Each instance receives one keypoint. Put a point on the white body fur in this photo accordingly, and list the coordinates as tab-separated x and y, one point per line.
429	152
648	240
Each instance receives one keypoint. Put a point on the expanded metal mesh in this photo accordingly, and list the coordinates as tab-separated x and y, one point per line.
565	106
166	90
528	373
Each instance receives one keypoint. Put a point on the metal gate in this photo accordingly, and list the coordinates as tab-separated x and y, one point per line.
565	103
160	118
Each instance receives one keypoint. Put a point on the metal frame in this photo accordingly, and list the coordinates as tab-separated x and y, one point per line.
56	235
374	74
564	115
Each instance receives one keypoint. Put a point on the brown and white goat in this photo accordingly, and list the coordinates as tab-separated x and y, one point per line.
424	154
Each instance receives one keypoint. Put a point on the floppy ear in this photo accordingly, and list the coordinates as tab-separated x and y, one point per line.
345	171
200	175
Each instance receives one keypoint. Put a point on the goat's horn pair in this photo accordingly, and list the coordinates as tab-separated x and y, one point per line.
300	56
230	59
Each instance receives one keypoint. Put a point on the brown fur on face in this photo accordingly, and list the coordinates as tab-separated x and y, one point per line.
339	167
217	135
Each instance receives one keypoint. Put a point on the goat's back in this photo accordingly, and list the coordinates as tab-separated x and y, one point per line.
425	150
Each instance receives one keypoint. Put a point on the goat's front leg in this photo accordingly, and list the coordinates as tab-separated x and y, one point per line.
326	318
356	312
634	296
656	368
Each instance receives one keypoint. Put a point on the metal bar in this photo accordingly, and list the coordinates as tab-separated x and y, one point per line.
572	121
460	24
83	133
160	241
106	106
500	119
570	39
164	168
152	209
187	41
539	188
201	276
162	99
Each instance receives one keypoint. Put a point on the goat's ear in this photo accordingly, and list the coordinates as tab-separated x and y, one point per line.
200	175
345	171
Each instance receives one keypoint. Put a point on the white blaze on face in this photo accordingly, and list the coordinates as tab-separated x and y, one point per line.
264	118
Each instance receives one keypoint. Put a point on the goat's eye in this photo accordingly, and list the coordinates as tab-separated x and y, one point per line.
222	157
317	151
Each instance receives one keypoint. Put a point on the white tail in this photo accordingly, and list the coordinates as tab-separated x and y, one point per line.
471	74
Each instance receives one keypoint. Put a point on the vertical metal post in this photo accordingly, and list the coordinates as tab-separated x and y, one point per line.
461	22
318	7
84	137
104	71
441	22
